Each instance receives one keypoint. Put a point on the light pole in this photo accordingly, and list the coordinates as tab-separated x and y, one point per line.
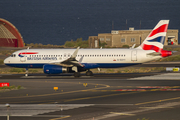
8	106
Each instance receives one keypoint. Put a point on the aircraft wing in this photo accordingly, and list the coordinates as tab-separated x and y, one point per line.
70	61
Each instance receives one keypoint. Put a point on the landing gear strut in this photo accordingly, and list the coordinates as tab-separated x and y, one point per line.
26	72
89	73
76	74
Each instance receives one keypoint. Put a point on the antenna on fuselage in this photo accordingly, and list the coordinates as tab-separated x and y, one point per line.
133	46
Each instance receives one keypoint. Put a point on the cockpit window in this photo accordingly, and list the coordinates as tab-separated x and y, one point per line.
13	55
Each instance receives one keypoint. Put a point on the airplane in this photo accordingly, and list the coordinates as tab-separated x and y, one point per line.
56	61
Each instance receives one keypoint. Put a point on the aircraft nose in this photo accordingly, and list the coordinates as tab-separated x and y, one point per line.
6	61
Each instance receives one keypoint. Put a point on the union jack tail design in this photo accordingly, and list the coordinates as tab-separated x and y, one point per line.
155	40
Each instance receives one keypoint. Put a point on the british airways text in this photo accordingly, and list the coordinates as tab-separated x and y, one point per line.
43	58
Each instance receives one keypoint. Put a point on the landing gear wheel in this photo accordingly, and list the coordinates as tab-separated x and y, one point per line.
89	73
77	74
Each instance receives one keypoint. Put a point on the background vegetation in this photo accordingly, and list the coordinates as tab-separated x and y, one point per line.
13	87
79	42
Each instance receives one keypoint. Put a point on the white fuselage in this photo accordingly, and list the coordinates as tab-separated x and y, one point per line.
105	58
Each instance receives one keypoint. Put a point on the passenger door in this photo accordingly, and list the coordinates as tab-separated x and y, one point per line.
134	55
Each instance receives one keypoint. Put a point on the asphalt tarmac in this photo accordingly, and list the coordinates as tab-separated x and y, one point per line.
154	96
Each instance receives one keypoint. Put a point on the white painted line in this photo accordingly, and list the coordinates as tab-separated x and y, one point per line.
114	114
56	116
113	104
154	107
164	76
122	113
35	109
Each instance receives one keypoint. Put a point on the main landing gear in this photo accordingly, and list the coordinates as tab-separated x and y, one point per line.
77	74
88	73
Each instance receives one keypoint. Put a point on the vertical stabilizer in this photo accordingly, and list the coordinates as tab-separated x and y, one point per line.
155	40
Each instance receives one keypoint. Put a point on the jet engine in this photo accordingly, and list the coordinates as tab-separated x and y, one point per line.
54	69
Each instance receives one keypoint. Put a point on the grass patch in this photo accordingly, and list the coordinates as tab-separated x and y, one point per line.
110	71
143	119
18	70
1	61
33	71
171	58
13	87
131	70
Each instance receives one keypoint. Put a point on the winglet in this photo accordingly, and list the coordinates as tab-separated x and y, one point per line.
75	53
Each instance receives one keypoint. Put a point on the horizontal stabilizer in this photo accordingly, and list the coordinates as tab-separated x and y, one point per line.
154	54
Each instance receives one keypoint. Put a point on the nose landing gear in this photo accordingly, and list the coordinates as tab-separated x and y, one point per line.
26	72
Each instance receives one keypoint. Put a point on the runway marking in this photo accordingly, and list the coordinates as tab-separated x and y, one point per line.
85	98
134	112
140	88
105	86
155	107
60	118
122	113
165	76
135	91
143	103
53	93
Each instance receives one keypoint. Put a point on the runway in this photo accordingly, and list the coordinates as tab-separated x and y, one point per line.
101	97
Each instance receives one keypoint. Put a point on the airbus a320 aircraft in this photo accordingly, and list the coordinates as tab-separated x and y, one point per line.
56	61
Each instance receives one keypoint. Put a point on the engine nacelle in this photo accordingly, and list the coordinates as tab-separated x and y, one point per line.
54	69
165	53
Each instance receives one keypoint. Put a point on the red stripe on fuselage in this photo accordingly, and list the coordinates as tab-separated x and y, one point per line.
160	29
23	53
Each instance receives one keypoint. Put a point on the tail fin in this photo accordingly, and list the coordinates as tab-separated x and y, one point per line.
155	40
